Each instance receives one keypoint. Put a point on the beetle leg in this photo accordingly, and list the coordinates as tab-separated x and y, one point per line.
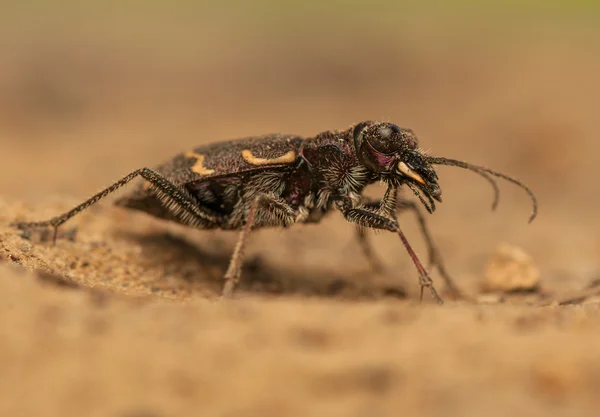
367	249
178	200
276	207
379	216
435	258
367	216
387	205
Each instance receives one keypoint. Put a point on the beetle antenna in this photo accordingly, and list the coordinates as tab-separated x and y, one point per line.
494	185
483	172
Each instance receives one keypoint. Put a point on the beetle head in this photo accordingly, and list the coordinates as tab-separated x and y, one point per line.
393	153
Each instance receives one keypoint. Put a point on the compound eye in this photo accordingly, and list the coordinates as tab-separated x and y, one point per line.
379	145
386	139
358	134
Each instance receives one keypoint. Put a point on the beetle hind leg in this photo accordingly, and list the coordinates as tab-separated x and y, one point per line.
176	199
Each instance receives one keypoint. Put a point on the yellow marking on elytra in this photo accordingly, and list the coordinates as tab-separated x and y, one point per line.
199	167
286	158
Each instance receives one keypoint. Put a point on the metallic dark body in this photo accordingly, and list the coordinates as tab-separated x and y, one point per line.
280	180
324	167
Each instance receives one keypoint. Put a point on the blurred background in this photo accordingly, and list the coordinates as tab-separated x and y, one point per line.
92	90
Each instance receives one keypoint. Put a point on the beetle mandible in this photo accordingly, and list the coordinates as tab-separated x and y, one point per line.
280	180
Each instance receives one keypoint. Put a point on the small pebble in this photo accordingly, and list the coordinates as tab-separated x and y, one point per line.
511	269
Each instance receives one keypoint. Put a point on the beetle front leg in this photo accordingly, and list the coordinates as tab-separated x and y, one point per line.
375	216
435	258
371	217
365	216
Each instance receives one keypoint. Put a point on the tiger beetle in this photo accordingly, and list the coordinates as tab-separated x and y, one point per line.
280	180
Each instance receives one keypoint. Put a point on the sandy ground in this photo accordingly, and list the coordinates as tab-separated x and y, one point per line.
122	316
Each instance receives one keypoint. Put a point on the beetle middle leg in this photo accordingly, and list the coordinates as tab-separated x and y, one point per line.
271	206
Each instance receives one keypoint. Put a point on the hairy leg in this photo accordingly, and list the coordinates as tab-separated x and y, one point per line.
374	217
268	204
175	198
367	249
434	255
